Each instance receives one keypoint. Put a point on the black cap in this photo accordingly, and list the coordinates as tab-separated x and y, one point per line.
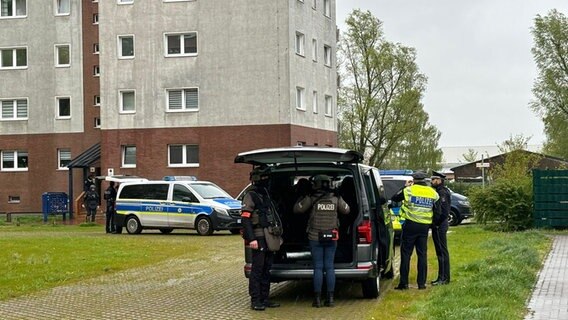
438	175
418	175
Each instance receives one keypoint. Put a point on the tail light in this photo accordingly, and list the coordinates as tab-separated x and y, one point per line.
364	232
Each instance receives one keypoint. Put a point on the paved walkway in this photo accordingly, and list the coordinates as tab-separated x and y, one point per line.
550	296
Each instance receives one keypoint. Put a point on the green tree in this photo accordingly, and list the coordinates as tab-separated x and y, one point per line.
381	114
550	52
470	156
517	142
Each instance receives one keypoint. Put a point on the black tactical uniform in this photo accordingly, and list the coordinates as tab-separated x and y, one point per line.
440	228
91	203
257	214
110	197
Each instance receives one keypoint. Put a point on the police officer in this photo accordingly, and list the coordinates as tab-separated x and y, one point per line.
110	197
417	209
324	207
440	228
257	214
91	203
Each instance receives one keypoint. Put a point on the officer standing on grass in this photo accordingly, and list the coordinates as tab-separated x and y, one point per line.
256	215
110	197
417	209
440	228
91	203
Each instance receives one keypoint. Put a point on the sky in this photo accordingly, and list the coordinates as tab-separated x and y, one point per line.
477	57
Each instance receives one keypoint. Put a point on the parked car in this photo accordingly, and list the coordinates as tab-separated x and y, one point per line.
176	203
364	252
394	180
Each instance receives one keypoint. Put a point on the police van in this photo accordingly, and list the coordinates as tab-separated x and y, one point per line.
176	203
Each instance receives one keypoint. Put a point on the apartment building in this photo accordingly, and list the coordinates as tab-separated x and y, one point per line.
184	86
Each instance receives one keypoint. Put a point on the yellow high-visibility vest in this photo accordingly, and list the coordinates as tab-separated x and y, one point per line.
418	203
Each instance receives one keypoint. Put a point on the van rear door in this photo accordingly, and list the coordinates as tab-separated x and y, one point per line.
298	155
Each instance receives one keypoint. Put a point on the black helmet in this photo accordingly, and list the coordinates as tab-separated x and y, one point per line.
257	173
321	181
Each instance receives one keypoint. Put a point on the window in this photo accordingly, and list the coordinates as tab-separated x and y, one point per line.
125	1
328	105
97	100
97	122
154	191
315	102
12	8
129	156
314	50
314	4
16	109
127	101
126	47
183	99
184	155
181	44
13	199
63	107
300	98
96	48
182	193
14	161
327	8
96	18
96	71
63	158
63	7
300	41
62	58
327	55
13	58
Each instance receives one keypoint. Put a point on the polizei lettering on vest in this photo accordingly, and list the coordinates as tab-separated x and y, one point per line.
421	201
326	206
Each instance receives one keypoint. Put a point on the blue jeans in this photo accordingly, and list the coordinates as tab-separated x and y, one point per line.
323	254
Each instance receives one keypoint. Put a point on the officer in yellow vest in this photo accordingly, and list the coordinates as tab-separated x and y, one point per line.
418	201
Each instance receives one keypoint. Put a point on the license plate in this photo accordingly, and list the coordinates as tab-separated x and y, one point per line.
238	220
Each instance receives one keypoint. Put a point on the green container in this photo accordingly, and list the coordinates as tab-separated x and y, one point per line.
550	198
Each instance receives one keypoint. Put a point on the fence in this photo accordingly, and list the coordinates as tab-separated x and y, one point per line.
550	196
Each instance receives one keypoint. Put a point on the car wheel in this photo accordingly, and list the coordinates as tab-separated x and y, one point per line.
235	231
370	288
203	226
133	225
454	219
166	230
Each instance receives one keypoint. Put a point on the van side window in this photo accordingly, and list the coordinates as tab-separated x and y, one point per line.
181	192
145	191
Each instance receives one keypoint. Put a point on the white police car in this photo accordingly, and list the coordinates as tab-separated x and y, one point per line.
176	203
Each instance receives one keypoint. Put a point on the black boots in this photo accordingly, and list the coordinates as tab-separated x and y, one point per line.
317	300
329	300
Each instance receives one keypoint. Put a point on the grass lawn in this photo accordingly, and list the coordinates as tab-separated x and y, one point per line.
492	278
35	257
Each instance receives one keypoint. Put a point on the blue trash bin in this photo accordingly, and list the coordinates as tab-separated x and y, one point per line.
54	203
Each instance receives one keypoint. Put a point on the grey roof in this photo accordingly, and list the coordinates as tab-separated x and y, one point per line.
87	158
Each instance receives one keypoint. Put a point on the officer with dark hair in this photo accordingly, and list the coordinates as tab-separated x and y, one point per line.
418	201
257	214
110	197
440	228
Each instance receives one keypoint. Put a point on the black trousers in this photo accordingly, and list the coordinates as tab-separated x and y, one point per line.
441	245
414	235
259	281
110	219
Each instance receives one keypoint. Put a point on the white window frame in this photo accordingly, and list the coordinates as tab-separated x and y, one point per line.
300	98
16	155
57	47
97	122
315	101
14	199
15	57
327	55
300	43
123	155
56	7
315	50
315	4
121	2
15	109
183	156
97	100
183	101
182	46
59	158
14	13
119	46
96	48
96	71
121	101
95	18
328	105
58	110
327	8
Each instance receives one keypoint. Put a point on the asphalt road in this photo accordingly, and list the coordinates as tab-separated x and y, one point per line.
184	288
